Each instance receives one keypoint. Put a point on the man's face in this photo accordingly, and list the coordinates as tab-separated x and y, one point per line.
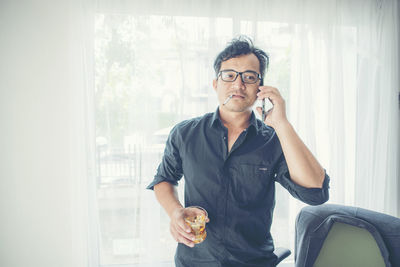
244	94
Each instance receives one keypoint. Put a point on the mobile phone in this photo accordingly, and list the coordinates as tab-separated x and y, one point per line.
263	102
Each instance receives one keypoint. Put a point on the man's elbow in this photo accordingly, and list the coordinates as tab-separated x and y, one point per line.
320	179
319	201
321	194
321	197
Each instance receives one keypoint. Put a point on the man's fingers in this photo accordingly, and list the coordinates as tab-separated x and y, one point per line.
270	92
181	223
259	110
185	241
174	233
184	230
177	235
269	89
272	95
185	234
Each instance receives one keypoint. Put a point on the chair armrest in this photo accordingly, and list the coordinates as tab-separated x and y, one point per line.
281	253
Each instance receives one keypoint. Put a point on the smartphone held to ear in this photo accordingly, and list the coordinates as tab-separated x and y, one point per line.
262	103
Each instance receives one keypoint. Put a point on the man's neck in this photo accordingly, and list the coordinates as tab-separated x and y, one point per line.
235	120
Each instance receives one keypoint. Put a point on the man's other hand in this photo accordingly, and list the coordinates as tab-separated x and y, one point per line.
180	231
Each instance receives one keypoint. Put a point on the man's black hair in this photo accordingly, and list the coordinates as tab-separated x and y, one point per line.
239	46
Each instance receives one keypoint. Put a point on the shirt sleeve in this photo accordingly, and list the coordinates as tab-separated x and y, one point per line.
311	196
170	168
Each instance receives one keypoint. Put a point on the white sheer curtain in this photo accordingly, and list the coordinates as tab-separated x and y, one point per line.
335	62
47	133
346	64
377	138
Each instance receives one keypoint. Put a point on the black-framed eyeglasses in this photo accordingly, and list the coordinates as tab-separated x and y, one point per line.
246	76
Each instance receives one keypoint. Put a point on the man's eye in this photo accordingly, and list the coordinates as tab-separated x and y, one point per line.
250	77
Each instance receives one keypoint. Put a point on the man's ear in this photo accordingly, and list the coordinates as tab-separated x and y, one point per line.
215	84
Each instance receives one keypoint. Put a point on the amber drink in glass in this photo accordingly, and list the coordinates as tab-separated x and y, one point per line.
195	217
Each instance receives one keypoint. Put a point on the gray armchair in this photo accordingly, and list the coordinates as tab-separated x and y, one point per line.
336	235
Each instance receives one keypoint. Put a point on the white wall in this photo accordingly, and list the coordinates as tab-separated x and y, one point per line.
38	222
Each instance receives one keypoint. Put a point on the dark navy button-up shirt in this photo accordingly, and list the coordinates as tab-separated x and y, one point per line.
237	188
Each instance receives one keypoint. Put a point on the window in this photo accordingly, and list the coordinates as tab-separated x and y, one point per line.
153	71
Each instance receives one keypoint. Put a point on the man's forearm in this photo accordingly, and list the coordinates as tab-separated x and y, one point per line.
303	167
167	196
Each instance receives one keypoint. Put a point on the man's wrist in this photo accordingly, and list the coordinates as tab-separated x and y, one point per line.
175	209
282	127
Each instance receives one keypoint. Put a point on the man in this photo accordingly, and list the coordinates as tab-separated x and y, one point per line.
231	161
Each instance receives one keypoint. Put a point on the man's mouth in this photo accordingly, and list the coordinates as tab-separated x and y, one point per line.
237	96
233	96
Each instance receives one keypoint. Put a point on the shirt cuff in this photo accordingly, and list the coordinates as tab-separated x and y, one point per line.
159	179
311	196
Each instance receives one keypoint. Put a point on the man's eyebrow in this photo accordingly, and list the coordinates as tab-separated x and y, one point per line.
251	71
239	71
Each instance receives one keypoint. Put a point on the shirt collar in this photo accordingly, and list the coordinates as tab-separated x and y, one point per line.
252	123
215	117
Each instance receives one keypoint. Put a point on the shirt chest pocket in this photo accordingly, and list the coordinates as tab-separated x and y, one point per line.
250	184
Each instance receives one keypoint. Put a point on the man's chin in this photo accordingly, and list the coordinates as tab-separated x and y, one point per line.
238	109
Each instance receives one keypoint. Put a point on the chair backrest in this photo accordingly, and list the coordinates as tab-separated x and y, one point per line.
349	246
337	235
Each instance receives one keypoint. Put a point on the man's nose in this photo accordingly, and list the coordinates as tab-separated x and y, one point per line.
238	83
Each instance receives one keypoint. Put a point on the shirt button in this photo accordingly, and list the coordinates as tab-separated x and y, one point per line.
224	137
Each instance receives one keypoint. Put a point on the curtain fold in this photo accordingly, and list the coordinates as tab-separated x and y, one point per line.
377	115
47	133
81	130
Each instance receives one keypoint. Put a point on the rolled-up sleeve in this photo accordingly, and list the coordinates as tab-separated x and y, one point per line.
170	168
311	196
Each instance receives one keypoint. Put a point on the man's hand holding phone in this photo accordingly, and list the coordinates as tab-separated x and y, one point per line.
277	114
